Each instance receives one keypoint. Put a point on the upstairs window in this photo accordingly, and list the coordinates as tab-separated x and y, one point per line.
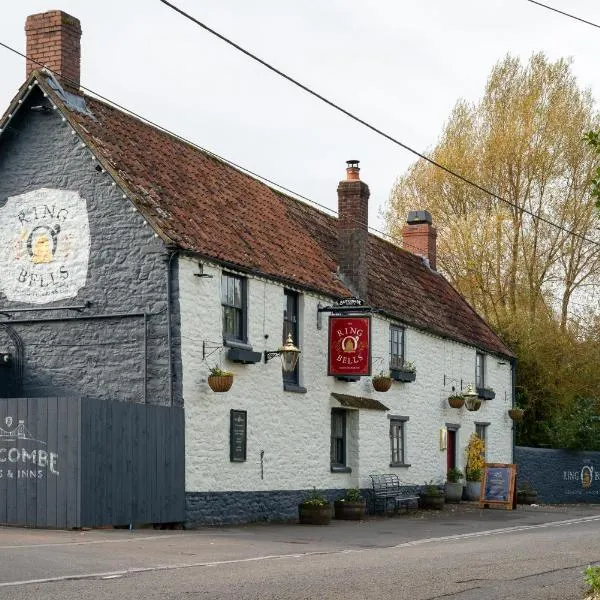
479	370
233	301
290	326
396	347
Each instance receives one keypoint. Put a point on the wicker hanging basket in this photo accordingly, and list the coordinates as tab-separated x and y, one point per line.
382	384
220	383
456	401
516	414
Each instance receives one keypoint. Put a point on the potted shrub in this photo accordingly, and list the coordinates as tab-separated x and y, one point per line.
454	487
315	510
456	400
516	414
526	494
350	507
220	381
406	372
432	496
474	467
381	382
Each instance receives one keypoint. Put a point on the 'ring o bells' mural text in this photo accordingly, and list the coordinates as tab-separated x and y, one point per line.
46	246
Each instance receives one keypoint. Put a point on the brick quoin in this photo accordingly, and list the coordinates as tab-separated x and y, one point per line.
353	234
54	40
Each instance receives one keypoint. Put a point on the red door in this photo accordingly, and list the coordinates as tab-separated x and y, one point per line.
451	450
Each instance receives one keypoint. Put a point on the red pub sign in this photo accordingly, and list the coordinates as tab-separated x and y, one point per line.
349	346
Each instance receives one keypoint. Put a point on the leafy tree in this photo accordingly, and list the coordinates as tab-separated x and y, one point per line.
532	281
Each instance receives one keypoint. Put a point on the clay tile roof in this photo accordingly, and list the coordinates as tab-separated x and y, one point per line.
204	205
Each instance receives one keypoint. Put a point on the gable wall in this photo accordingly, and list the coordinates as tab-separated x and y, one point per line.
126	273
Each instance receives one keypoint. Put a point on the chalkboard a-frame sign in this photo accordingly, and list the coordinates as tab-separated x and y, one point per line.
238	426
498	486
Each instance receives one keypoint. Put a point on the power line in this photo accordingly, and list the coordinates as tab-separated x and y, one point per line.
560	12
198	147
372	127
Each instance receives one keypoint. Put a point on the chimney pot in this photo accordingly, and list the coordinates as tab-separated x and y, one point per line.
419	236
352	170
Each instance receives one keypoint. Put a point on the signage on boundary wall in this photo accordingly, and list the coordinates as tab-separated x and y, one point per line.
349	346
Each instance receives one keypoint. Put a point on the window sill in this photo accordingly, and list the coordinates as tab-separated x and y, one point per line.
340	469
294	388
399	464
231	343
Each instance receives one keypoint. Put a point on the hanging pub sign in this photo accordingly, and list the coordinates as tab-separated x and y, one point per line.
349	346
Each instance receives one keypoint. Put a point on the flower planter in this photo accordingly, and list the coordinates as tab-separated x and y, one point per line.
473	491
220	383
472	403
382	384
486	393
401	375
314	514
516	414
454	492
350	511
456	401
526	497
432	502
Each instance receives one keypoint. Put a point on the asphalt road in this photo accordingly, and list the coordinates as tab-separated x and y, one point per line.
459	554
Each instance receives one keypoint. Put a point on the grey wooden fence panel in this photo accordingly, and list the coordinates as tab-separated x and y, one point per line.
41	425
31	470
11	494
3	480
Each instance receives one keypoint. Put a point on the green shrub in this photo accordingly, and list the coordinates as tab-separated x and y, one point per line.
592	577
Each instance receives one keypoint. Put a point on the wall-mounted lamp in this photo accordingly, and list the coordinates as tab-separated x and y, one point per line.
201	272
472	399
288	352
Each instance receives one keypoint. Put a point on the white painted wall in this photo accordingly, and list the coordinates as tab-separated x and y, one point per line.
293	429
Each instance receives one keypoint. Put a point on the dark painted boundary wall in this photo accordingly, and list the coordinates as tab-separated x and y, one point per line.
72	462
559	476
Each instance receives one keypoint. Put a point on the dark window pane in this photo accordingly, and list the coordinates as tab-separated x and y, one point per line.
232	300
290	327
396	346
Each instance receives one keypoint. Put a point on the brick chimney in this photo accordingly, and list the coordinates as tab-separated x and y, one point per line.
419	235
54	40
353	218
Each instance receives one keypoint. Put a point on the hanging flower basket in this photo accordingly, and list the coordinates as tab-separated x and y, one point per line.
516	414
472	403
456	401
381	383
220	381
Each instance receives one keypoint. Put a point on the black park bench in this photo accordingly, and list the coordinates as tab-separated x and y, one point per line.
387	487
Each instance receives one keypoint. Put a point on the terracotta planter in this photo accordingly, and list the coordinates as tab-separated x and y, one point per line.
456	401
516	414
220	383
454	492
350	511
432	502
309	514
382	384
472	403
473	491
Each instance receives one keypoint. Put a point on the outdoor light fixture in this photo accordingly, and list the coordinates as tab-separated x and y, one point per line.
472	399
288	352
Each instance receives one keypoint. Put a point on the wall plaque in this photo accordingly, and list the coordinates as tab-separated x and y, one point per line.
238	428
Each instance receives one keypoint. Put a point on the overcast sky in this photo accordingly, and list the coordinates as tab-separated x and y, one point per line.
400	64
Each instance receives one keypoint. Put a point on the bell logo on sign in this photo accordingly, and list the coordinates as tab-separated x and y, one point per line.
46	246
349	346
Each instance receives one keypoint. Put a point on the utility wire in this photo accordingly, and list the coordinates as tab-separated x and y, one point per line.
560	12
373	128
397	241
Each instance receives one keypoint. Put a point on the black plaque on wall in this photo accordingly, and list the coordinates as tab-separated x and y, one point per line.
238	423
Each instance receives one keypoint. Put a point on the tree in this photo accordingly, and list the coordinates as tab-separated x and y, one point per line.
523	140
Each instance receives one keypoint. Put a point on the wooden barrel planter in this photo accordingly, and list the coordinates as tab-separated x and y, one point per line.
220	383
314	514
349	511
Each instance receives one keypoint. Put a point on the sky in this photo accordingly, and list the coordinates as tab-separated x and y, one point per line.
399	64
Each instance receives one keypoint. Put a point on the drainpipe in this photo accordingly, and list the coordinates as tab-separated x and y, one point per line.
513	373
172	255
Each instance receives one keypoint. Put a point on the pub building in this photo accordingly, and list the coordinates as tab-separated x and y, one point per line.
134	265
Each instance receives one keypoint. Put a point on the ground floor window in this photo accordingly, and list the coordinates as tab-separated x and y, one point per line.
481	431
338	438
398	441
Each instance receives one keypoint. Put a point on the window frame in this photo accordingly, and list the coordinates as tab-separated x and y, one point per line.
479	370
483	426
398	424
397	359
241	311
291	324
339	466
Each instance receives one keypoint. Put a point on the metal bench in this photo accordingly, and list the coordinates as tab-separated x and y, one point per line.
388	487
